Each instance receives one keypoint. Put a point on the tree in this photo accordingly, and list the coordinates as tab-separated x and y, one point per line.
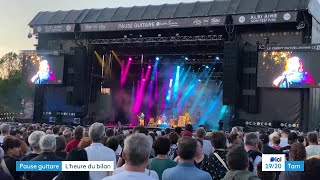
10	63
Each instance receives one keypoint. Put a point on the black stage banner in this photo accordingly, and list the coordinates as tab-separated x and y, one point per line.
264	18
302	47
154	24
63	28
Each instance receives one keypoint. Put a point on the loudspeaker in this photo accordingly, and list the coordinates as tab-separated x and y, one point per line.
230	73
76	74
249	98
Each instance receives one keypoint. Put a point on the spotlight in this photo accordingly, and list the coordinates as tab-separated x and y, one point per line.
301	25
144	80
186	58
178	67
140	35
177	34
217	58
130	59
125	36
207	67
159	35
157	58
199	80
149	67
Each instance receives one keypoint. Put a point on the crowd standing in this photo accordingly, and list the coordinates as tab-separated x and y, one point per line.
143	154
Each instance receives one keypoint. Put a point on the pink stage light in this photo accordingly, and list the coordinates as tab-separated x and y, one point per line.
149	67
130	59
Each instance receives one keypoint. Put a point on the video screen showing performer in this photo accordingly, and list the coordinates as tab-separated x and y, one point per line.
43	69
44	74
294	75
286	69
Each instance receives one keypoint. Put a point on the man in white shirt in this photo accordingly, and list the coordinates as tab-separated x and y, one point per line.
313	149
207	146
97	151
5	131
136	152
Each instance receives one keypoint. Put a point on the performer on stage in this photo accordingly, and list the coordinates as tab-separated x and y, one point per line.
187	116
141	118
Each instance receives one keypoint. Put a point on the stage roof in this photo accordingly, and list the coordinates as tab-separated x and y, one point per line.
210	13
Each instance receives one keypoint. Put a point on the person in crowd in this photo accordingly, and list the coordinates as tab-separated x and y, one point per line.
186	169
237	160
311	169
215	163
200	157
275	140
188	131
292	138
33	140
47	144
78	134
137	129
55	131
113	144
167	131
97	151
284	138
161	162
266	149
75	155
265	175
85	142
11	146
136	152
48	131
301	139
109	132
60	147
178	130
3	174
24	149
67	134
261	132
207	147
313	148
5	131
251	142
297	153
234	140
173	138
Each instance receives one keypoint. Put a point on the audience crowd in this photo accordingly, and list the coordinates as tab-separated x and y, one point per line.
143	154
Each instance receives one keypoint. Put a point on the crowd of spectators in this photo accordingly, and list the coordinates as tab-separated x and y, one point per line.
146	154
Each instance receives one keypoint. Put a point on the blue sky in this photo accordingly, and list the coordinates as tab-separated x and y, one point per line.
16	14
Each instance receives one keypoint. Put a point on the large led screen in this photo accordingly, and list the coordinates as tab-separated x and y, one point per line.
46	70
289	69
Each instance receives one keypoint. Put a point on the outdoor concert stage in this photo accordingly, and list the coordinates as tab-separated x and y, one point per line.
169	60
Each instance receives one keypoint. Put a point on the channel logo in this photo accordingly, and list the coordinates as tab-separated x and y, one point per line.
273	162
275	159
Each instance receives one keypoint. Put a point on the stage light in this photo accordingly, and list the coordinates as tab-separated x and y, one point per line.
157	58
178	67
149	67
144	79
199	80
159	35
186	58
177	34
207	67
125	36
130	59
217	58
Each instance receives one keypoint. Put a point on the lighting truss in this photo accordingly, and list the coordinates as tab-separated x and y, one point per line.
146	40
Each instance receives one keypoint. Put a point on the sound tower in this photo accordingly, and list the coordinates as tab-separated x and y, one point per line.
231	73
76	83
249	90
